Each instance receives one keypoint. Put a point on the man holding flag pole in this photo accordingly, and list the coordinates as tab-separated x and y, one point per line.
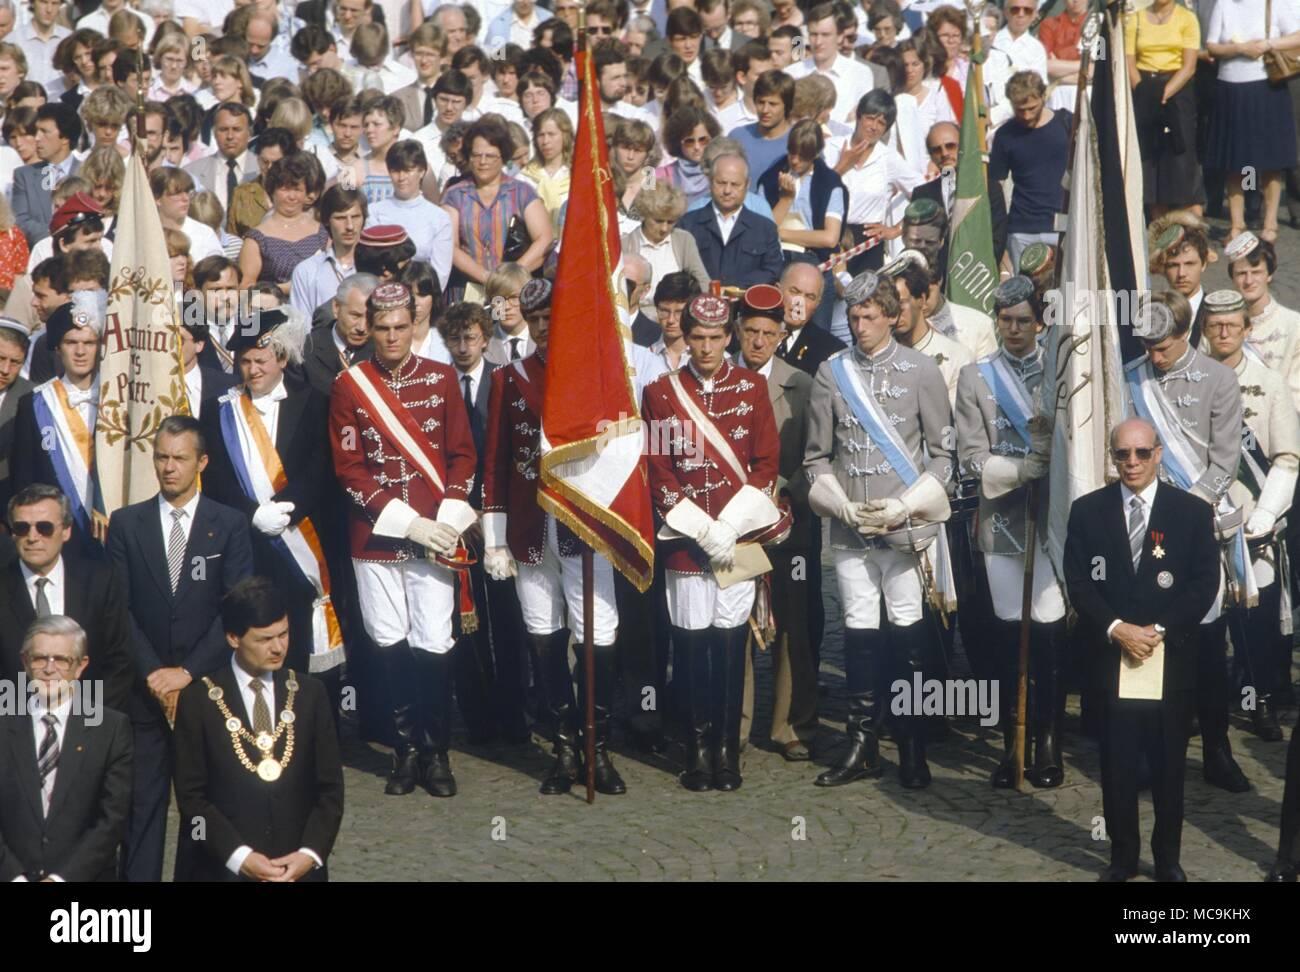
593	465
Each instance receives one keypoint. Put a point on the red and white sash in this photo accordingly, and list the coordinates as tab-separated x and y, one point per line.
397	423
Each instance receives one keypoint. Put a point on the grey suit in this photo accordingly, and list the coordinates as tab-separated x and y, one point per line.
794	688
685	252
210	172
412	98
498	351
8	412
32	204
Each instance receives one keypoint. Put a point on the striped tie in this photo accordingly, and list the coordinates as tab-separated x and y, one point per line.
47	758
1136	526
176	550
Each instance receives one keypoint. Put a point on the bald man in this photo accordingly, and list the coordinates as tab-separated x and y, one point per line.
804	345
942	143
1142	569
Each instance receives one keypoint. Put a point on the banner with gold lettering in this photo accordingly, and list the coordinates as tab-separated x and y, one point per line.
141	381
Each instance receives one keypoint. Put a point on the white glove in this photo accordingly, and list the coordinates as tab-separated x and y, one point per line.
850	514
719	545
438	537
1034	466
1260	524
498	563
272	518
887	513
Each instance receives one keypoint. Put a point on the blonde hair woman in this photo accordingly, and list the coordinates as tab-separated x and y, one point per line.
552	155
106	172
658	241
229	81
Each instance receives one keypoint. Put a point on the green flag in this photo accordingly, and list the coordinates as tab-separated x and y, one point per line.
972	271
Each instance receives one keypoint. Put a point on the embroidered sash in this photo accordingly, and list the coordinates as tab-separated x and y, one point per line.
260	473
867	411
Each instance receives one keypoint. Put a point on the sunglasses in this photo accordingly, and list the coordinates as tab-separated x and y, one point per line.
1121	455
945	147
594	31
44	527
1020	10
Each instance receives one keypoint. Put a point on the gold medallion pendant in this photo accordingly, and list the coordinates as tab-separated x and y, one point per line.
269	770
264	742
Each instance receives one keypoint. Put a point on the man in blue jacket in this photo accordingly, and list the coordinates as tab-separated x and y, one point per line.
737	246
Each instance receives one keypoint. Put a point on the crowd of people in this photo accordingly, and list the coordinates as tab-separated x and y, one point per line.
364	204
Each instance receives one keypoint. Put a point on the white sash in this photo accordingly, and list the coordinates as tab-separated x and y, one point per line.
67	447
707	428
383	417
292	536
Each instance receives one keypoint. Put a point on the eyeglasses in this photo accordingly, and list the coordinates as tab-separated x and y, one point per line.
1121	455
1225	327
62	663
44	527
945	147
485	157
595	31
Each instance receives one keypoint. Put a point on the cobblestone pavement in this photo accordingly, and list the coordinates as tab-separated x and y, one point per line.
499	828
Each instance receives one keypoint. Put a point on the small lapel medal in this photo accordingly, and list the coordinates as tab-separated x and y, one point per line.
1157	551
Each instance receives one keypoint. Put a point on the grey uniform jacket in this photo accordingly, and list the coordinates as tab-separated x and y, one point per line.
1274	425
1207	400
984	430
910	391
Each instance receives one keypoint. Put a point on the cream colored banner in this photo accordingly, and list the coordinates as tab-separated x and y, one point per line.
140	365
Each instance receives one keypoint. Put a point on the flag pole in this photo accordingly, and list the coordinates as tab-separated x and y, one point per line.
588	555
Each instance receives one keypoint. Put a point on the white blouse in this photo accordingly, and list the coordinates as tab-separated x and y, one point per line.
1239	21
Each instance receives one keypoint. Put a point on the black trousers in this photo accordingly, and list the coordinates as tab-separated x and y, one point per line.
1212	683
1288	851
1158	731
639	655
146	821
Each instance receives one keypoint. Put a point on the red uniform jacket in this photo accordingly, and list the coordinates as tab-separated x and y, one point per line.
373	471
681	466
510	473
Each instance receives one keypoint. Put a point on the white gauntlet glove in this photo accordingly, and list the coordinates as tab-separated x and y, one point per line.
886	514
438	537
719	545
1033	466
272	519
1260	524
498	564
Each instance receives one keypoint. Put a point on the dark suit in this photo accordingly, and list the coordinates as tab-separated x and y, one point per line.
78	839
321	361
31	200
811	346
31	463
93	598
169	630
751	255
303	808
645	330
303	446
8	417
997	210
213	383
45	364
1103	587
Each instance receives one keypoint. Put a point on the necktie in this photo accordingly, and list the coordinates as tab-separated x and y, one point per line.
176	550
42	602
428	104
475	422
466	385
261	712
514	349
232	180
1136	527
47	757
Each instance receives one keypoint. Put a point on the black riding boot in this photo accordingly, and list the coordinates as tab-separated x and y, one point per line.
1220	769
911	647
1008	671
606	776
727	686
862	757
883	671
1261	628
397	671
1045	655
1288	845
434	675
691	676
556	703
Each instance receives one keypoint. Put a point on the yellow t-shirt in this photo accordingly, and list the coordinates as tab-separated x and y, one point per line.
1161	45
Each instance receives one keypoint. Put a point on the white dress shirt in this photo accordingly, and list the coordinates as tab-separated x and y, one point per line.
872	184
475	375
86	403
39	51
54	590
249	698
726	223
194	388
388	76
1126	497
765	371
733	116
317	280
186	521
852	79
268	407
434	347
662	262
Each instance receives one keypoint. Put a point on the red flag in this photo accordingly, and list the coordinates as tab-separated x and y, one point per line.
593	463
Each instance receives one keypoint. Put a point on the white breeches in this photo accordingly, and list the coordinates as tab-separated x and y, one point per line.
1006	573
695	602
864	575
550	594
411	600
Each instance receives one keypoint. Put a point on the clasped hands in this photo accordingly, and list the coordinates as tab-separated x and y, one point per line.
1136	641
874	516
290	867
441	538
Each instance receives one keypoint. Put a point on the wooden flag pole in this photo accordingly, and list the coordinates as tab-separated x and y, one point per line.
1026	605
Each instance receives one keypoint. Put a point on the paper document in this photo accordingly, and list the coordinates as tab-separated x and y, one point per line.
750	562
1143	680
